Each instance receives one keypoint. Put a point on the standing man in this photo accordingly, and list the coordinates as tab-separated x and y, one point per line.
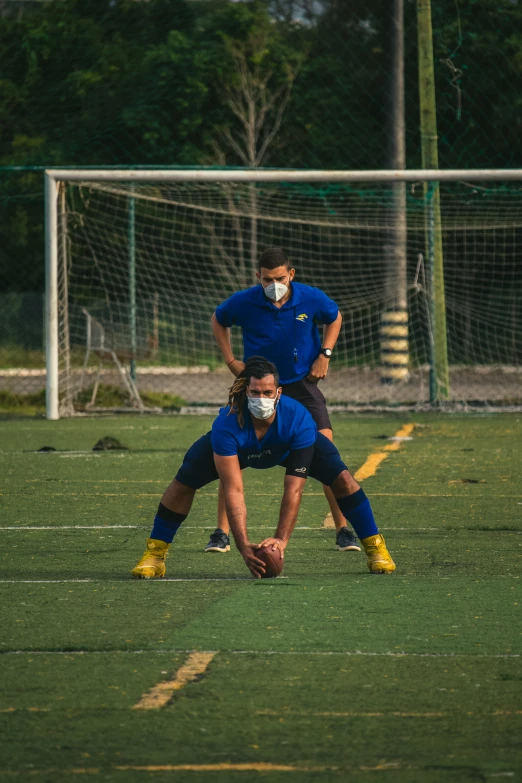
279	320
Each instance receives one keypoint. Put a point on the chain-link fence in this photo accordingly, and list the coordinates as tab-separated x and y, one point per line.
164	83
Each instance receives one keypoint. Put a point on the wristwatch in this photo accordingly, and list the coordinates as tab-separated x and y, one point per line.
326	352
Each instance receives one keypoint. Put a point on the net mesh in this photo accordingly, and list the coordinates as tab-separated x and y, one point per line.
185	247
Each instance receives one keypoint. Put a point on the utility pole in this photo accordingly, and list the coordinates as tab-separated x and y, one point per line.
439	371
394	319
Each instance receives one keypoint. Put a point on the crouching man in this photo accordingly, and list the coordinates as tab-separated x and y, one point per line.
261	429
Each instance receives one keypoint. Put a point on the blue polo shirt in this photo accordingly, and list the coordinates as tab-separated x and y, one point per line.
293	428
287	336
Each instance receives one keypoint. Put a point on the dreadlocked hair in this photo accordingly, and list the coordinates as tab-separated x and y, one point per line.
256	367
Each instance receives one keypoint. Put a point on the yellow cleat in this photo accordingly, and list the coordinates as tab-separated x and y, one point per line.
152	564
379	559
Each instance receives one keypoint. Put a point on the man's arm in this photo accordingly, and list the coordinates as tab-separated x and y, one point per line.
319	369
222	335
290	505
230	474
297	467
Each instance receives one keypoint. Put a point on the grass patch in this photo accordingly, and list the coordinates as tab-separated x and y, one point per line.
14	356
107	397
115	397
332	672
22	404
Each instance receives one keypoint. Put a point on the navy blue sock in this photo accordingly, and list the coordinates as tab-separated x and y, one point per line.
166	524
357	510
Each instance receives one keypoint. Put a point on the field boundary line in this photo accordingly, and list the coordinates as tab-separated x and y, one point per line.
160	695
369	467
319	653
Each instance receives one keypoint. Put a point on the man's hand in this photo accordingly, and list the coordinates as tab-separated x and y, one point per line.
236	367
319	369
274	543
254	564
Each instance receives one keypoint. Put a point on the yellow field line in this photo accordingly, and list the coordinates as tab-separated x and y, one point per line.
161	693
222	767
374	460
369	468
261	766
328	521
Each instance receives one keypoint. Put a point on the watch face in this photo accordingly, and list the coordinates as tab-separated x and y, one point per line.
327	352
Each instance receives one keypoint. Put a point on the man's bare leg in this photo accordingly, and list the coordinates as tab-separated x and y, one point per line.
335	511
220	538
345	541
178	497
222	519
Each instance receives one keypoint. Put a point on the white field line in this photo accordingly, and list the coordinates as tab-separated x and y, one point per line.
450	495
73	527
139	495
319	653
129	580
392	714
315	528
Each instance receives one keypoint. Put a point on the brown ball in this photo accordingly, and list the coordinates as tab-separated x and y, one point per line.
272	559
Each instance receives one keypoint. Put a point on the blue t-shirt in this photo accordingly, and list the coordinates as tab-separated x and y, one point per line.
287	336
293	428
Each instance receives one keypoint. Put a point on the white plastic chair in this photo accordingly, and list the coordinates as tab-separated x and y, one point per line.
98	344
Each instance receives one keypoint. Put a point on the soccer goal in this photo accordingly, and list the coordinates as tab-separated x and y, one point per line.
426	267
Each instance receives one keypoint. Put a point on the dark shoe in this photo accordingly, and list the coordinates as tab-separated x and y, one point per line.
346	541
219	542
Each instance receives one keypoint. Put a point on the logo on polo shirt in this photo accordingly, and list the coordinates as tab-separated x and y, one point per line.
302	317
260	454
300	470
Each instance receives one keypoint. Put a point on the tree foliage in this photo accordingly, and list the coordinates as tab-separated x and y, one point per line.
159	82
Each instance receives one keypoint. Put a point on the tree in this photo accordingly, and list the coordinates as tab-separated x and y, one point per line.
261	73
257	96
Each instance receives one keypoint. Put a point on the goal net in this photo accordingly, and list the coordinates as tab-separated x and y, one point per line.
142	266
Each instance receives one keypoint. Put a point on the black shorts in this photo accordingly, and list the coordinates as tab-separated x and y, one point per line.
310	395
198	468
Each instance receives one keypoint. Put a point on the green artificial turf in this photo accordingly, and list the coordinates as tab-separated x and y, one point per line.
329	671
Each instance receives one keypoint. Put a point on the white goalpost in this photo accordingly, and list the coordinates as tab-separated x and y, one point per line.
425	267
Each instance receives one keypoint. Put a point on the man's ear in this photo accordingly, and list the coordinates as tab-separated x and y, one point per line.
292	274
258	276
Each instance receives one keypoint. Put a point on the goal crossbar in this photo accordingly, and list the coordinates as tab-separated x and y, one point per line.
284	175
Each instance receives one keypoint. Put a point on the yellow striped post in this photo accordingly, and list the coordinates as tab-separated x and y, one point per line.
394	346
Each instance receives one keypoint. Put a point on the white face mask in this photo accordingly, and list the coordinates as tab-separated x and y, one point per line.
276	291
261	407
